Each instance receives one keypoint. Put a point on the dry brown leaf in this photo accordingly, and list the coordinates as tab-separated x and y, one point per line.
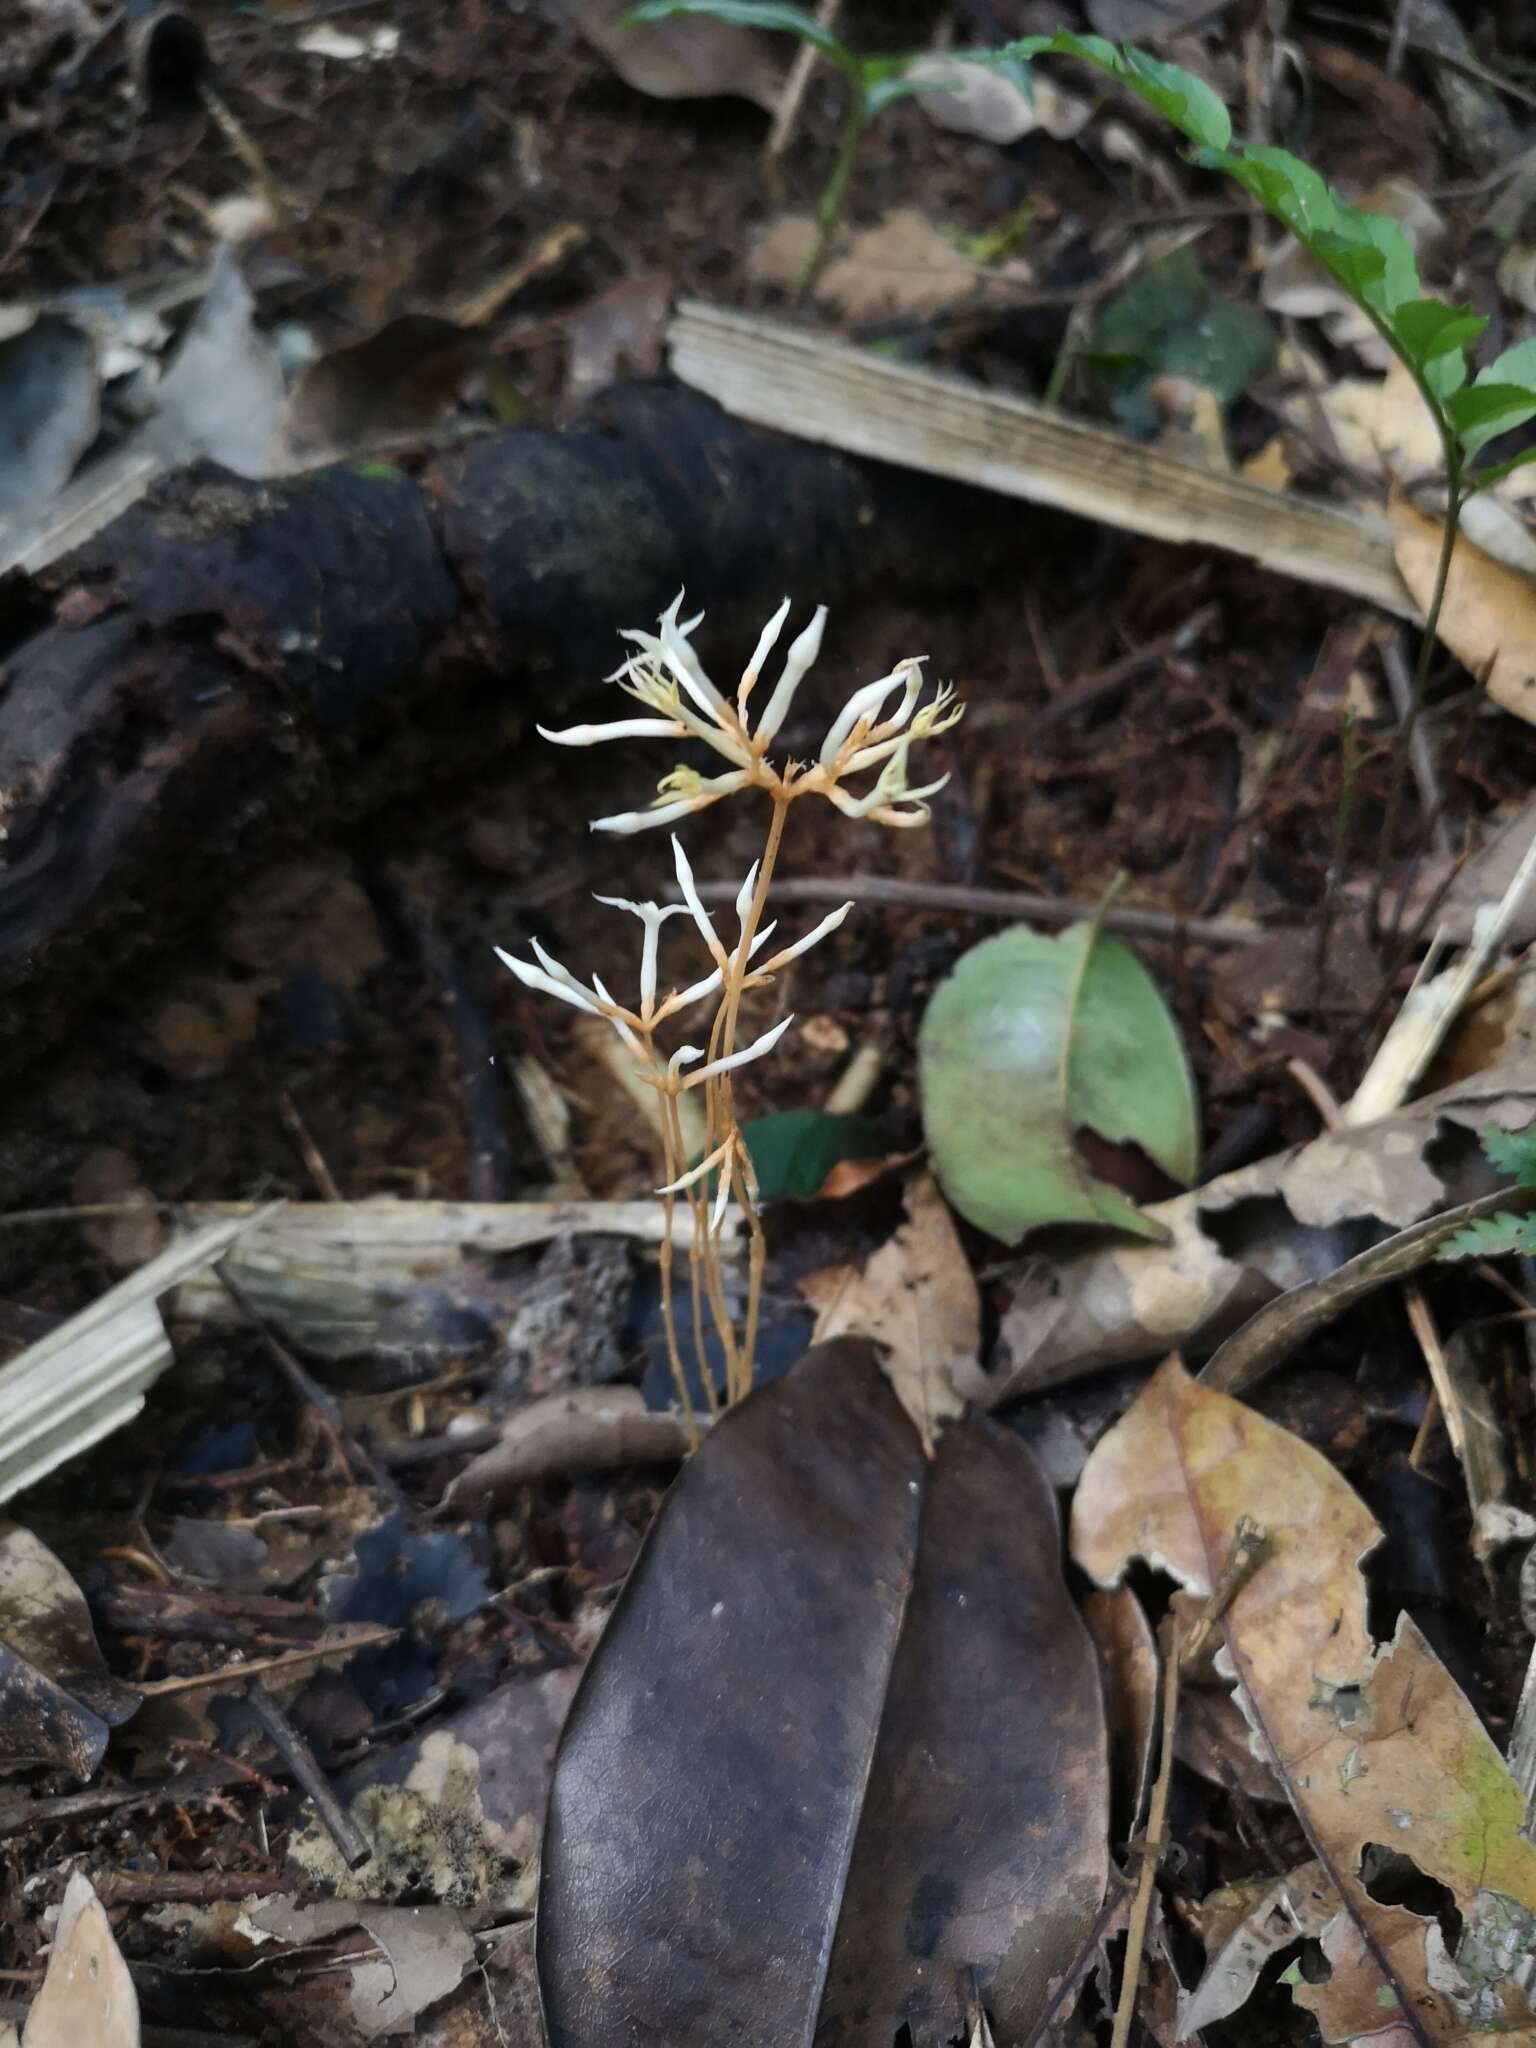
1248	1236
87	1999
1375	1743
1127	1649
588	1429
687	59
917	1299
1488	619
903	268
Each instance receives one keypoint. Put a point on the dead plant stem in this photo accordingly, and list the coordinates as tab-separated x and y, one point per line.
1151	1850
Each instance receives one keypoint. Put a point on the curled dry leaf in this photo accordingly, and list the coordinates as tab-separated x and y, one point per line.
917	1300
689	58
1127	1649
901	269
1375	1743
1488	619
1248	1236
803	1785
58	1701
975	99
586	1429
87	1999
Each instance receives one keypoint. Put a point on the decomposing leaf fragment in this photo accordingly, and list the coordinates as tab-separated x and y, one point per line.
1375	1744
87	1999
57	1700
584	1429
917	1299
902	268
1033	1038
801	1782
1271	1916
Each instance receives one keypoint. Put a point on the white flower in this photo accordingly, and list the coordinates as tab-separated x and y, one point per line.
665	677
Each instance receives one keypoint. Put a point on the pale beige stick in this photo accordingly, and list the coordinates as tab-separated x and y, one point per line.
800	70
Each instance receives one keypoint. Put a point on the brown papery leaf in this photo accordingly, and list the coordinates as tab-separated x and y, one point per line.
1377	1747
87	1999
838	1761
917	1299
586	1429
1488	620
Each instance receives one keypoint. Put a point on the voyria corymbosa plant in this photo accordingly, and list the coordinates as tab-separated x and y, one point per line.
872	736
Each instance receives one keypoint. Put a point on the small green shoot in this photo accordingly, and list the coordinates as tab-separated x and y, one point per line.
1505	1235
874	83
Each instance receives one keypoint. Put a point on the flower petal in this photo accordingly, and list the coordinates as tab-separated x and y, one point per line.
754	1051
684	664
696	910
535	977
869	701
828	924
766	641
620	729
802	653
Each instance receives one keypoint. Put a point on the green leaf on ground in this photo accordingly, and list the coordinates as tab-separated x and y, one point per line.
796	1150
1031	1039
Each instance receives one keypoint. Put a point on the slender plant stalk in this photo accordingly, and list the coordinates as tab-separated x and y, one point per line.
1455	498
670	1170
829	209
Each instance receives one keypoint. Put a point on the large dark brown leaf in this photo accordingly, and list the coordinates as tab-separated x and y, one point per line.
838	1762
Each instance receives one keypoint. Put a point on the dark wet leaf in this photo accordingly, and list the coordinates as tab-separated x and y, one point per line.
838	1762
416	1583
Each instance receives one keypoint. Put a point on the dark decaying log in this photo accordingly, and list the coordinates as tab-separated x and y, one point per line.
232	659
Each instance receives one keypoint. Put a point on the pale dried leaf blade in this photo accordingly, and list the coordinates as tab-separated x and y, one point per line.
1303	1902
87	1999
974	99
762	371
88	1377
917	1300
1488	619
901	268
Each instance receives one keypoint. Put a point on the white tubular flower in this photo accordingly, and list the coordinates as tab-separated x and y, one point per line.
797	663
754	1051
867	703
620	729
828	924
696	910
653	916
766	642
684	663
723	1157
702	791
566	990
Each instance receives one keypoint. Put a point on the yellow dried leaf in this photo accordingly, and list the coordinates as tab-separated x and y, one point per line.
1374	1744
1489	614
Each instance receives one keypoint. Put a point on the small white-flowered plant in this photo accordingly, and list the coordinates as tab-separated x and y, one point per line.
870	735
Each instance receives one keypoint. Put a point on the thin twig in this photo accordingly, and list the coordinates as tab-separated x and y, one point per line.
787	111
232	1675
888	889
1421	753
1151	1852
349	1453
352	1844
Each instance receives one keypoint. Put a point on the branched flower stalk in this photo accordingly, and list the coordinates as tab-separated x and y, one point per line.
873	733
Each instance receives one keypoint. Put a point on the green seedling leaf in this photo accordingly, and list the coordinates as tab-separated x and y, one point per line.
794	1152
838	1766
770	14
1170	321
1183	100
1495	1237
1512	1152
1434	338
1031	1039
1482	412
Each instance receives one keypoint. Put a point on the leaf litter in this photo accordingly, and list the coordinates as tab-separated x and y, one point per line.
1378	1748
